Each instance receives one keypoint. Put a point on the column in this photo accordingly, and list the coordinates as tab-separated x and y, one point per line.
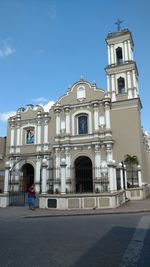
44	176
18	139
68	162
129	79
57	122
134	78
12	133
107	114
63	176
38	174
108	83
17	176
112	54
67	110
135	83
112	177
97	162
126	51
57	163
109	152
18	136
96	122
109	62
6	181
129	50
139	176
129	85
46	131
113	88
39	132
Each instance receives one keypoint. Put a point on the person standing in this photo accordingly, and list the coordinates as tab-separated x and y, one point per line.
31	197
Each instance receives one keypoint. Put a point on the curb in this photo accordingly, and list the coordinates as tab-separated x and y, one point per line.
86	214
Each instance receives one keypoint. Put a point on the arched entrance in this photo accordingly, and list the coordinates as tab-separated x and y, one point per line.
28	176
19	186
83	175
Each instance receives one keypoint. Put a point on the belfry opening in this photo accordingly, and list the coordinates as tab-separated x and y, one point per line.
83	175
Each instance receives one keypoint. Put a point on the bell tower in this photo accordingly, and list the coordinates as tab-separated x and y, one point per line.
122	72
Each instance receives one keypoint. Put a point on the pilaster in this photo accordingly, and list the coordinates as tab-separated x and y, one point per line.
68	162
97	162
57	122
67	111
113	88
6	181
57	152
44	176
107	112
112	176
38	169
63	176
139	176
96	117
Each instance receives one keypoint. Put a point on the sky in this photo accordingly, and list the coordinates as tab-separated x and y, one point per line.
47	45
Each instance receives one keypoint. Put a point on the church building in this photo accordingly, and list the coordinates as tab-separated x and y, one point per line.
75	153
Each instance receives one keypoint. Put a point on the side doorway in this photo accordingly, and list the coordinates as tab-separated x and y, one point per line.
18	189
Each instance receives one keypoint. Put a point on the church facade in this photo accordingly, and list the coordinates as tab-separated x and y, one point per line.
78	148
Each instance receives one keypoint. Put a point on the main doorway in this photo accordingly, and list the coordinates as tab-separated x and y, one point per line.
19	188
83	175
28	176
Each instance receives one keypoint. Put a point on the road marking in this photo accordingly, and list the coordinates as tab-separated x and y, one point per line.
133	251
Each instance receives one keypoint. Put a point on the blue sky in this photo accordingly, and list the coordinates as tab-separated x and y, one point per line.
46	45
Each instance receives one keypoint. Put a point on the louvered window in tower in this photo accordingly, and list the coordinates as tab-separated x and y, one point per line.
119	55
121	85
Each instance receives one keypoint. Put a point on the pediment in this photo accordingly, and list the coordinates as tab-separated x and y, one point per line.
81	92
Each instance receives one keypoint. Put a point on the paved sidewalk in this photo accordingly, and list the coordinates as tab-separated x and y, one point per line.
136	206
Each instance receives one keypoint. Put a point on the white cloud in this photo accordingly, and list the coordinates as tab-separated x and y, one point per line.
6	49
4	116
48	105
40	100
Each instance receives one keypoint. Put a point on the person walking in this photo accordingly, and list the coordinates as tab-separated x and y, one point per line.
31	197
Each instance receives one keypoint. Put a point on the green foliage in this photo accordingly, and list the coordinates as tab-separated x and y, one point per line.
131	161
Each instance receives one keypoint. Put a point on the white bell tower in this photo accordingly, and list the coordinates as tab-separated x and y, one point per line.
122	72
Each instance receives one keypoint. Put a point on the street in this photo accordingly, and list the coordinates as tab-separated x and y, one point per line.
75	241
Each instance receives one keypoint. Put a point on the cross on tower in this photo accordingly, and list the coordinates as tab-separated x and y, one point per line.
118	23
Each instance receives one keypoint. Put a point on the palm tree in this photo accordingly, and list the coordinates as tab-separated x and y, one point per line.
131	163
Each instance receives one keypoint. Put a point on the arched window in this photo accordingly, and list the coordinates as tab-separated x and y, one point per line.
121	85
82	124
119	55
30	136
